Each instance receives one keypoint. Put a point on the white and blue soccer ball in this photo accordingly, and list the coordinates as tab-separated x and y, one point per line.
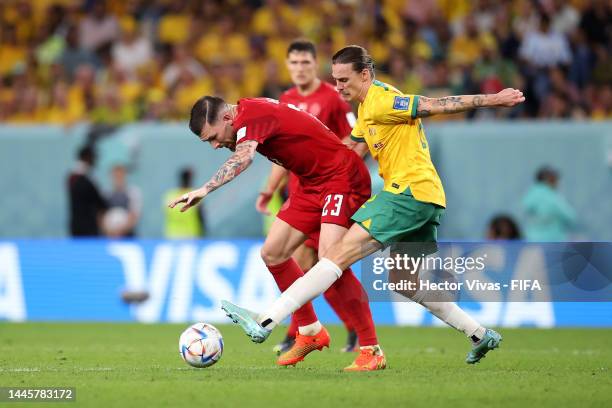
201	345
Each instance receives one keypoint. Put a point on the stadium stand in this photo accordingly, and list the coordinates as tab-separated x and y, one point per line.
116	61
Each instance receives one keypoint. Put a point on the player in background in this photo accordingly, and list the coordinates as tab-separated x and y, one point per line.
323	101
333	183
407	210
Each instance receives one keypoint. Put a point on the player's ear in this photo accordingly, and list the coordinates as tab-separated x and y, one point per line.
227	118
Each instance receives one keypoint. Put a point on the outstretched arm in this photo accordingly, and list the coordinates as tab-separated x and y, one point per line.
236	164
275	182
453	104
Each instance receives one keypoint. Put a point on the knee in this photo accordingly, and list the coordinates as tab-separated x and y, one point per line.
337	254
305	258
272	255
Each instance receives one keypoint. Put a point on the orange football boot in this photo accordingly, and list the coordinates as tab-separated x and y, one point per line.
370	358
303	346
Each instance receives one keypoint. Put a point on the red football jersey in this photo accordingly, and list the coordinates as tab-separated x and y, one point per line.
293	139
327	105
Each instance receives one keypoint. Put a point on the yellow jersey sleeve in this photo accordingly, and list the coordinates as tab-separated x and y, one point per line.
357	133
391	108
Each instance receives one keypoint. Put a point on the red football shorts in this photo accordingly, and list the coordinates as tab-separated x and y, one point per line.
333	202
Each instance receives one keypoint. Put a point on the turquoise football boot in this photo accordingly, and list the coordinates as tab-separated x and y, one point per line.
490	341
247	320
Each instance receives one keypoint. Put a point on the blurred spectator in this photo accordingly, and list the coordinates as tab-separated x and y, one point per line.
565	18
549	217
503	227
467	47
12	54
189	88
227	42
181	61
82	92
98	28
107	108
133	50
484	15
401	75
596	21
125	203
545	47
58	111
491	74
566	94
86	203
74	56
581	67
175	23
180	225
541	49
555	106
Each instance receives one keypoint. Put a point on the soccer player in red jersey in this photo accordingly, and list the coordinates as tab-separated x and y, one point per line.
333	184
322	100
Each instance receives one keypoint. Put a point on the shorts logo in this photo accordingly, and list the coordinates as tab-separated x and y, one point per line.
401	102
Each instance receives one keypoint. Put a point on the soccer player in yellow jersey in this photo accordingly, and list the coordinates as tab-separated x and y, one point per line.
407	210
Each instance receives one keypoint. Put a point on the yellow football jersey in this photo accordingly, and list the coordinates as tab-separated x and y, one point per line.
387	122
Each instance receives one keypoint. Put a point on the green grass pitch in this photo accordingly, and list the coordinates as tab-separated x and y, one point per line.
138	365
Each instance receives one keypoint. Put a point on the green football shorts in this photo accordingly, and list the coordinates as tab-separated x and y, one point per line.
391	218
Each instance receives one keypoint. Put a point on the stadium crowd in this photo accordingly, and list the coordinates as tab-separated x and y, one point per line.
116	61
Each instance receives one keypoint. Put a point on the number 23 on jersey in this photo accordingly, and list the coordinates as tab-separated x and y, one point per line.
333	205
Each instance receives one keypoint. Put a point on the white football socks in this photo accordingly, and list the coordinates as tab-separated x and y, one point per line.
452	315
455	317
316	281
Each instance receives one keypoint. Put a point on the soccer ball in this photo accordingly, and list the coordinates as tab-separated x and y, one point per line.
201	345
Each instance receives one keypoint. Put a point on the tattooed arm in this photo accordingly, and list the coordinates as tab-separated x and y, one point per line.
453	104
236	164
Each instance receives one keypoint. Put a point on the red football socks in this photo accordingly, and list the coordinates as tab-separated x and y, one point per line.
357	306
285	274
